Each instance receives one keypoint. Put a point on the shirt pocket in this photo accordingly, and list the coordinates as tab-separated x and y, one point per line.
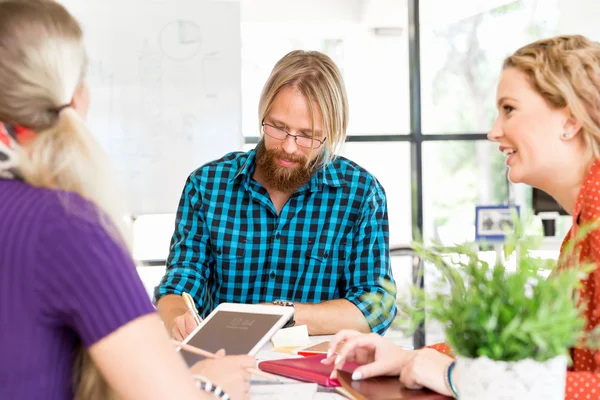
229	253
324	268
230	261
229	250
328	252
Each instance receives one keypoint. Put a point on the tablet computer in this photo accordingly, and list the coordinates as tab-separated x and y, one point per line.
237	328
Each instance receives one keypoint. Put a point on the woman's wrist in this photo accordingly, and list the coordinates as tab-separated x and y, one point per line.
403	357
450	378
206	385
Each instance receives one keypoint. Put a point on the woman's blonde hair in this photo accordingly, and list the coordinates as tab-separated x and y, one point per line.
317	77
565	71
42	64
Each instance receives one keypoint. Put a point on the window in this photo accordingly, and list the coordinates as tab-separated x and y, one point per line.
463	45
402	268
457	176
390	164
366	39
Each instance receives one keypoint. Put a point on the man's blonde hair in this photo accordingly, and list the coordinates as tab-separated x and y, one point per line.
42	64
565	71
317	77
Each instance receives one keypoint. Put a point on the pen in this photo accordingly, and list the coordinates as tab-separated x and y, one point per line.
208	354
189	301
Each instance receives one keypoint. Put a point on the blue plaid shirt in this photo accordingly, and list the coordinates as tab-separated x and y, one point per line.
330	240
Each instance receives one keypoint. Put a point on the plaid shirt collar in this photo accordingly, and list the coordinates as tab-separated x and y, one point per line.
326	175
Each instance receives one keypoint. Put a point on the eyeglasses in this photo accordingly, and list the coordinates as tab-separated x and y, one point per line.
302	141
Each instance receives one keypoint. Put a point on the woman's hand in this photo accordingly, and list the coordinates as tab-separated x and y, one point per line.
379	355
230	373
428	369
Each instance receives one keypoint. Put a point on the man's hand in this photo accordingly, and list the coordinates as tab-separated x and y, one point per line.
183	325
176	316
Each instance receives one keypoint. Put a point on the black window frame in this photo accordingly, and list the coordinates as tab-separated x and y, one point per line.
416	138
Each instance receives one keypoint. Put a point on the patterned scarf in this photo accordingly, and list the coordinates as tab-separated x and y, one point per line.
11	139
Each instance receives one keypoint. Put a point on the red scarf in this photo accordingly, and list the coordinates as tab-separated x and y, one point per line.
11	139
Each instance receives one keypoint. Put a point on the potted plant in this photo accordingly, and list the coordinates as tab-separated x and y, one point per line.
509	326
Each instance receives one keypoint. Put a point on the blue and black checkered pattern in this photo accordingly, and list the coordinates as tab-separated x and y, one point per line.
330	240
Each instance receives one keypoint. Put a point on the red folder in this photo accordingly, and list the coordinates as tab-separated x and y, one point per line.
308	369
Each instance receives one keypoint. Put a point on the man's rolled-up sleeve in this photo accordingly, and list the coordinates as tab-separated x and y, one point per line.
370	285
190	255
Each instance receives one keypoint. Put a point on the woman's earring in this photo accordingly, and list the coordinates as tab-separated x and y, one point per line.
564	135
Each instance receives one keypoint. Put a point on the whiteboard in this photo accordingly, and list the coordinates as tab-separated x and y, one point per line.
165	80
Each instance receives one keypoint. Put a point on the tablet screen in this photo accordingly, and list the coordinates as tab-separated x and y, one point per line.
236	332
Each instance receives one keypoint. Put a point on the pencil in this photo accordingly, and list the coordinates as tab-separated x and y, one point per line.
208	354
189	301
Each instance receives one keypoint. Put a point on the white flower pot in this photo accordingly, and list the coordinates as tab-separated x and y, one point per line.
482	378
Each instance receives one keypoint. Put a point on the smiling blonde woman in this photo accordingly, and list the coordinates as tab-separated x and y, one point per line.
548	126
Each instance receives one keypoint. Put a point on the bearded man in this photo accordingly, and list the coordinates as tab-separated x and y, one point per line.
289	222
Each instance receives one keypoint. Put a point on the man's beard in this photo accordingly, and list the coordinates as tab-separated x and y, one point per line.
280	178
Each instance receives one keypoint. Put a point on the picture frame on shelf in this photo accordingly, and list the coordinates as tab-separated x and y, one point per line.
494	222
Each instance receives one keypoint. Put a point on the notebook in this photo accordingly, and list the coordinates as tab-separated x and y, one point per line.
382	388
315	349
307	369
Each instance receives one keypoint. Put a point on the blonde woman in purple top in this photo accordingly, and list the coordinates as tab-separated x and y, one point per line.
75	320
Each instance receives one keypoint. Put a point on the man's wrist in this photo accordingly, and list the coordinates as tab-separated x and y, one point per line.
285	303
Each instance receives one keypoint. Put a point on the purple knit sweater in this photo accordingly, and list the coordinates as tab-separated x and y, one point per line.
63	281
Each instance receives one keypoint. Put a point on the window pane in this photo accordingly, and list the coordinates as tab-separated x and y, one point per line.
389	162
367	40
402	272
463	45
457	176
434	330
